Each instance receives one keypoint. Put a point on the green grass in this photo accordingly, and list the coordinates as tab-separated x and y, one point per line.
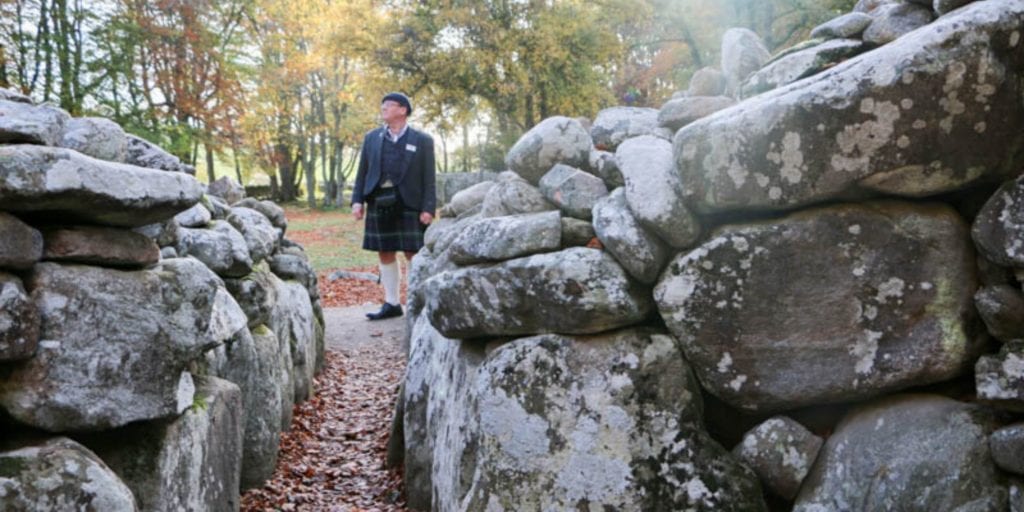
331	237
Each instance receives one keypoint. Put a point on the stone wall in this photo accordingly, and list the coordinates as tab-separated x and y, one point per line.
794	286
154	334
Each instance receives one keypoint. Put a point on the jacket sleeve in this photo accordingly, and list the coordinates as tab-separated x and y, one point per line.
364	163
429	185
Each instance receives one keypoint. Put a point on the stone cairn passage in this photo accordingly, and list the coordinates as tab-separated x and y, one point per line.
154	334
796	286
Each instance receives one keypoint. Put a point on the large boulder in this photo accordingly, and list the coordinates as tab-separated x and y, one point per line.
19	320
466	199
574	192
274	213
96	137
451	183
102	246
910	452
801	64
512	195
14	95
639	252
616	124
781	453
62	182
21	245
826	305
293	322
220	247
261	237
999	227
1002	309
572	291
555	140
256	293
654	191
60	474
680	112
99	367
189	463
873	122
143	153
197	216
707	82
743	53
893	20
1007	446
24	123
227	188
602	165
942	7
508	237
849	25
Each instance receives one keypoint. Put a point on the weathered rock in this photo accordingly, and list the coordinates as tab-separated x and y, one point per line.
96	245
294	267
707	81
143	153
504	238
269	209
842	27
168	252
63	182
893	20
88	377
895	311
513	195
1000	377
293	322
221	247
574	192
781	452
189	463
14	95
261	237
801	64
218	207
466	199
909	452
195	217
999	227
869	6
678	113
743	53
24	123
576	232
572	291
555	140
941	7
640	253
1007	446
654	191
602	165
1016	496
1002	309
19	321
226	188
96	137
876	123
451	183
20	244
60	474
255	293
616	124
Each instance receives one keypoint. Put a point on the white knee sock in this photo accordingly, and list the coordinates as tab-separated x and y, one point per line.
390	276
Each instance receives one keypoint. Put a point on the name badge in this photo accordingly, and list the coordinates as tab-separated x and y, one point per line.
410	147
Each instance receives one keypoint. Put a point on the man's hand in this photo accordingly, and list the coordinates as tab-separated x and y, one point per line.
426	218
357	211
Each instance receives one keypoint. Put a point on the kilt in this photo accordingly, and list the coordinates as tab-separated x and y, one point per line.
400	231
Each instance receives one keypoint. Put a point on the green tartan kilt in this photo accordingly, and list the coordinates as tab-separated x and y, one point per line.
397	230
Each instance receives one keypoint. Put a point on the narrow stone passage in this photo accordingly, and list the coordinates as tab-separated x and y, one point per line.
332	459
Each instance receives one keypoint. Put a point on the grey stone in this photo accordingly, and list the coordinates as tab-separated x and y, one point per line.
503	238
801	64
1007	446
874	123
999	226
680	112
63	182
909	452
261	237
781	453
297	268
891	21
576	232
221	247
654	191
555	140
869	6
743	53
602	165
189	463
96	137
999	378
1002	309
19	321
168	252
842	27
143	153
616	124
98	367
226	188
451	183
889	285
1016	496
466	199
24	123
60	474
707	81
293	322
574	192
21	245
942	7
218	207
513	195
14	95
255	293
573	291
195	217
640	253
269	209
101	246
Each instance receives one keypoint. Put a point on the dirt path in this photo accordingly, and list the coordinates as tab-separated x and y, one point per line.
332	458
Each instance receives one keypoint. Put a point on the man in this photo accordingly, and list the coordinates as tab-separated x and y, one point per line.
395	191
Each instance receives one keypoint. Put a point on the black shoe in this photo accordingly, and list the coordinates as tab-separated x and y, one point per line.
388	310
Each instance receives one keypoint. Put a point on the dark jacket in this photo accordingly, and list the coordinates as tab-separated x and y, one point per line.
416	174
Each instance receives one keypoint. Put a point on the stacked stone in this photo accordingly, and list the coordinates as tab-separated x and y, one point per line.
807	247
134	377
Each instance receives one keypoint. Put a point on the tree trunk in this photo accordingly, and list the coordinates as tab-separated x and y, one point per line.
465	148
238	166
209	164
3	68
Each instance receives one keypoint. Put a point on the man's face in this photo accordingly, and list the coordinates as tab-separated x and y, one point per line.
391	111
